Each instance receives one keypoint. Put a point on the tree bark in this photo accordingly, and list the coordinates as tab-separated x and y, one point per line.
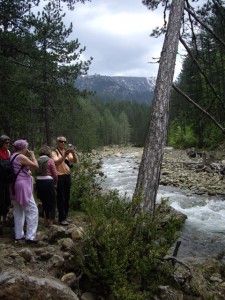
149	171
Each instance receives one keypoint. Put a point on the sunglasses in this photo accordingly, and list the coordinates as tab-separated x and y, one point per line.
63	142
6	142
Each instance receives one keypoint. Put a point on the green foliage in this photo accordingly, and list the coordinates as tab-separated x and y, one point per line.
181	137
86	179
39	65
122	250
204	83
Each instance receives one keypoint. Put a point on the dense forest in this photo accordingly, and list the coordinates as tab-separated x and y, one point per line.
39	65
202	79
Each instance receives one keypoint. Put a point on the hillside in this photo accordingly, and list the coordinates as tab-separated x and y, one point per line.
138	89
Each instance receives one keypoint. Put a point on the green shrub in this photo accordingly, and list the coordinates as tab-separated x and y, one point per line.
121	251
179	137
86	181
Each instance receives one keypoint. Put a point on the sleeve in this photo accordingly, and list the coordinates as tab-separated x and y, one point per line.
53	171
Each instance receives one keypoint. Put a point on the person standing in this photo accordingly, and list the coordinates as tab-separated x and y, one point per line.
46	183
22	198
4	185
64	159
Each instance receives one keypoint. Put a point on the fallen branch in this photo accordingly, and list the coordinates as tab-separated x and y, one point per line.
176	260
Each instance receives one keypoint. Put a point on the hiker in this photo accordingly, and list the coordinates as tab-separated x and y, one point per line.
64	159
4	185
22	198
46	183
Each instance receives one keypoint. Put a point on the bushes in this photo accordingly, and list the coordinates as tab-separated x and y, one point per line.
122	249
121	252
86	180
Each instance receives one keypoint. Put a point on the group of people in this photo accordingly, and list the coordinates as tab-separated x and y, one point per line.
53	181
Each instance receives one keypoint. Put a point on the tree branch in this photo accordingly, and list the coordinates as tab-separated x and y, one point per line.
199	107
205	26
200	69
176	260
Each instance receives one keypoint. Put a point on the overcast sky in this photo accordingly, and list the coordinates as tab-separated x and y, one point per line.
116	34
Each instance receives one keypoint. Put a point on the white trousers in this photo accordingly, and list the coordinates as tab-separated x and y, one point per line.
28	213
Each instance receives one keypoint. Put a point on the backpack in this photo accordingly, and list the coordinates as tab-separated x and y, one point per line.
7	174
43	166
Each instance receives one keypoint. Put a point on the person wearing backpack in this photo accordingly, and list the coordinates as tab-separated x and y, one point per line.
25	208
46	183
4	184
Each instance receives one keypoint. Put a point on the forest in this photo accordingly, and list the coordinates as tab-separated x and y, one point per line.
202	79
39	65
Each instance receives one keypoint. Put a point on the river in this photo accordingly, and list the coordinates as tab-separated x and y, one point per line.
203	234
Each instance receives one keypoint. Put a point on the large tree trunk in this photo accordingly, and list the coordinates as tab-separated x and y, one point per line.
149	172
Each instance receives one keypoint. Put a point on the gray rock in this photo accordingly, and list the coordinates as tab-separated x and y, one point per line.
19	286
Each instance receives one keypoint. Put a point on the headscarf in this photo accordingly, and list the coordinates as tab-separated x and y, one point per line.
20	144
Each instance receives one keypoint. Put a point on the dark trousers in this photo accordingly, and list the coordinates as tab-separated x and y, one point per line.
46	193
63	196
4	199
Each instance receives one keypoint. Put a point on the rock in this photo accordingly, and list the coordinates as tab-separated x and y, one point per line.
77	234
69	278
87	296
56	232
167	293
45	256
215	277
57	261
18	285
66	244
27	254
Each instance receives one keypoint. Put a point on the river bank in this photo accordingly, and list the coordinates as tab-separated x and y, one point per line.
179	170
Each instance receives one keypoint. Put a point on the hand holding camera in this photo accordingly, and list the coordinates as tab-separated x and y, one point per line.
70	149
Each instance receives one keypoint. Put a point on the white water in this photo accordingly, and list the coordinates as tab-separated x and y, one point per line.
203	234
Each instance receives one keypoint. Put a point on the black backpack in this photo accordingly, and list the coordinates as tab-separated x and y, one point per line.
7	175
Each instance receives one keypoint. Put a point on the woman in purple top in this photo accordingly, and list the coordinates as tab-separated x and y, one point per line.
22	198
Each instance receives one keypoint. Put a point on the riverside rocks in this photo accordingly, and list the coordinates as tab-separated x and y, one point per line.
39	271
191	174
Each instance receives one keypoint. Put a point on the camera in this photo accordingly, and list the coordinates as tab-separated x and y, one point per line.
70	145
68	163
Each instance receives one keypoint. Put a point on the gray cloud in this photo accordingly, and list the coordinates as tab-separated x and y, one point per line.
116	34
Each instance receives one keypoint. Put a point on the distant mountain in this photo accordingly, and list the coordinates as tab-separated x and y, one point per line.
139	89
